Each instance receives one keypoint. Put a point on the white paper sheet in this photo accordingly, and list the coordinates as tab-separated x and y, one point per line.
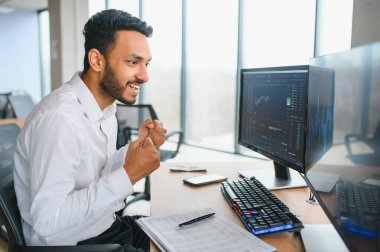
212	234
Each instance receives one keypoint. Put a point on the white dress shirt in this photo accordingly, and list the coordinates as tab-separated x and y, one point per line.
69	178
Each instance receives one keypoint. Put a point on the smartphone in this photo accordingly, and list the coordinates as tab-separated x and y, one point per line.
183	168
204	179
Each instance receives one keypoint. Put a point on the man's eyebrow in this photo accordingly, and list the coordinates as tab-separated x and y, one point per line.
135	56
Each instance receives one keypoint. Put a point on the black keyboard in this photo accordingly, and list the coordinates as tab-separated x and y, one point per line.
358	207
259	209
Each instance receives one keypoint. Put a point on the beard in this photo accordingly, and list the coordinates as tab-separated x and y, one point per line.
113	87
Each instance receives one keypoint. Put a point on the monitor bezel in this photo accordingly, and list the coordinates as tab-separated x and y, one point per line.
279	160
309	163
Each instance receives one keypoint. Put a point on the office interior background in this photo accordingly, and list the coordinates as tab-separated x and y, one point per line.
198	48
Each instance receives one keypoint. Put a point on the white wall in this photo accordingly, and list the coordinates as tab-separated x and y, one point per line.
19	53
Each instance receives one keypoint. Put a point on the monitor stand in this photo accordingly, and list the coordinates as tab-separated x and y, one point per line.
278	178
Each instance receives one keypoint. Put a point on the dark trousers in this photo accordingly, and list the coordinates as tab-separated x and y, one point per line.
124	231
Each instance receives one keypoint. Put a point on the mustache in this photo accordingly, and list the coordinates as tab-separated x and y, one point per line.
139	82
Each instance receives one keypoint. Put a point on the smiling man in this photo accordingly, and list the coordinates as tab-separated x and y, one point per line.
69	178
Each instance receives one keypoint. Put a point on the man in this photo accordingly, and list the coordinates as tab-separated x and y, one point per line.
69	178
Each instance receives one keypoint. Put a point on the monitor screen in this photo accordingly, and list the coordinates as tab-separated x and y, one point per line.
285	118
346	180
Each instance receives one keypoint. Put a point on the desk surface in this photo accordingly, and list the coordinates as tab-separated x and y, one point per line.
19	122
170	195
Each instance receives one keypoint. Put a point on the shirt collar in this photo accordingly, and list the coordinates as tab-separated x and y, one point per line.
88	102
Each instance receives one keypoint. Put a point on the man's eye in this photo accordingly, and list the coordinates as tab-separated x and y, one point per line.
132	62
147	64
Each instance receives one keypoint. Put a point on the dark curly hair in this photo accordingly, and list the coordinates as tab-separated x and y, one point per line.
99	31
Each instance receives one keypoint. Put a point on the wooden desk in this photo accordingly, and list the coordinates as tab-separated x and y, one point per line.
19	122
170	195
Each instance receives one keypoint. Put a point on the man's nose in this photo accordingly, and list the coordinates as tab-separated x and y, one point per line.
142	75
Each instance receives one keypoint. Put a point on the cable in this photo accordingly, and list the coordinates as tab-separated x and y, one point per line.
311	200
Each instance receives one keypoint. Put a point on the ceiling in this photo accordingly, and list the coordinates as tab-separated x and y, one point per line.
29	5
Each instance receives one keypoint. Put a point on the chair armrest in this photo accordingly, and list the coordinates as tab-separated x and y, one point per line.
77	248
175	132
180	137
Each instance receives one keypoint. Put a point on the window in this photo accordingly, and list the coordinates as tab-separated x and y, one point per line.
130	6
95	6
164	86
333	34
211	59
278	33
199	63
44	26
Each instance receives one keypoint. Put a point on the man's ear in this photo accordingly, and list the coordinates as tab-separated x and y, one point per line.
96	60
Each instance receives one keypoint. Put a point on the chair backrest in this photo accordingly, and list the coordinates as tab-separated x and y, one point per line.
22	105
9	212
129	118
133	115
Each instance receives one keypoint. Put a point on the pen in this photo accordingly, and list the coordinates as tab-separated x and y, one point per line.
196	219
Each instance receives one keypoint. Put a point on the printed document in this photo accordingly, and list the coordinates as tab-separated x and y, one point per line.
215	233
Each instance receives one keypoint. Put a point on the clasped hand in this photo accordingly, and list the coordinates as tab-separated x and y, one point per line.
142	156
153	129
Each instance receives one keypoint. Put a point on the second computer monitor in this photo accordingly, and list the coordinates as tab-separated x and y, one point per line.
285	118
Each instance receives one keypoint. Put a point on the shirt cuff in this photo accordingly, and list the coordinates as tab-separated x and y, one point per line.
120	157
121	183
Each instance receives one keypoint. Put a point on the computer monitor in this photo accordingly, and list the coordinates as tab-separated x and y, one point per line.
346	180
285	118
22	105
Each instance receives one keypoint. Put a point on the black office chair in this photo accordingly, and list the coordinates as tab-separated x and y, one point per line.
370	159
129	118
5	106
9	212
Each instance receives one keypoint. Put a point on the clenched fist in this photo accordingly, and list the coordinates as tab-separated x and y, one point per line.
153	129
141	160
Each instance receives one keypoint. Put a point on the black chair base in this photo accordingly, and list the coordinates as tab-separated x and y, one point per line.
138	196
